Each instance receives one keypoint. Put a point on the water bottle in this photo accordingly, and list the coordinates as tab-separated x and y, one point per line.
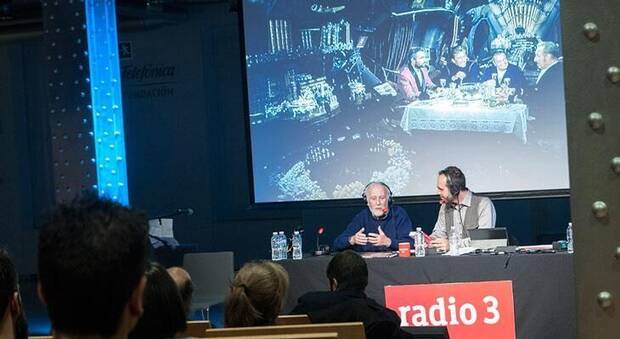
274	246
455	240
569	238
297	253
420	250
283	246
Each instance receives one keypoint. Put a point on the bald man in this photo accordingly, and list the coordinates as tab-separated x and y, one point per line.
184	283
379	227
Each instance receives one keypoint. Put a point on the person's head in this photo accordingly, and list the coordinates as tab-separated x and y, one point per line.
418	57
500	60
459	56
256	295
164	313
91	258
12	317
184	283
450	182
347	271
377	196
547	53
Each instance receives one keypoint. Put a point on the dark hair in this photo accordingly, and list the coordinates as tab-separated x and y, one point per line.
455	179
92	256
8	280
350	271
256	295
458	49
8	286
415	51
164	314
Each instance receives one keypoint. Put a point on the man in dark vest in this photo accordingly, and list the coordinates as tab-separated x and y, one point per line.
460	208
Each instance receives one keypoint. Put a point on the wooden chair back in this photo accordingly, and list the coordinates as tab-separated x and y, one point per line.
293	319
352	330
196	328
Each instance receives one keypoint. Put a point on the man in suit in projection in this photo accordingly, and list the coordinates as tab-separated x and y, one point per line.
413	79
502	70
547	99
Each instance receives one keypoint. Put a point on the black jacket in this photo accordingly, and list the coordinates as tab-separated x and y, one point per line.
347	306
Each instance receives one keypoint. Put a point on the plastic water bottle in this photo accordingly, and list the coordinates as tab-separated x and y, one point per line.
283	246
455	240
297	253
274	246
569	238
420	250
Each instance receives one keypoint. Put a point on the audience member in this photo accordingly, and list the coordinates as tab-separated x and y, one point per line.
256	295
92	257
164	312
346	301
185	286
13	319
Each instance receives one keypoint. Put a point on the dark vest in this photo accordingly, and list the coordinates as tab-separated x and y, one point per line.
470	219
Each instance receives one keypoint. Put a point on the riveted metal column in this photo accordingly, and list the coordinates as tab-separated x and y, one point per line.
592	73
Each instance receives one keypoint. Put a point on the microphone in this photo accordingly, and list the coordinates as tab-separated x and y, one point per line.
179	211
320	251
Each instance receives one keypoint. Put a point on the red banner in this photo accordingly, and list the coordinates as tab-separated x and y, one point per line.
469	310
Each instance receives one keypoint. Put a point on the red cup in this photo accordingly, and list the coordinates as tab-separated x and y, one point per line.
404	249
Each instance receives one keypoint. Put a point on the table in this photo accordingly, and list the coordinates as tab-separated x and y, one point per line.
543	284
440	115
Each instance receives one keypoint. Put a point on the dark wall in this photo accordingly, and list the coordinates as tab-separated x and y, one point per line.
186	147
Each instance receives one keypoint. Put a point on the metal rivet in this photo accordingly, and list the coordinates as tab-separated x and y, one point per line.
590	29
599	208
595	119
613	74
615	164
604	299
617	254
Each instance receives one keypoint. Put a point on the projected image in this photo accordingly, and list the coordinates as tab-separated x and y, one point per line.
342	92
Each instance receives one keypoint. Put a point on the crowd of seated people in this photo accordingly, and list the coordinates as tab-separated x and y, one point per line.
96	282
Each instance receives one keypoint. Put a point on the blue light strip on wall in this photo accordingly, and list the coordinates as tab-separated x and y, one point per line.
107	103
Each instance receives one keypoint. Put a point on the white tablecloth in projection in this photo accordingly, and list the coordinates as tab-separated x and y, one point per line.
474	117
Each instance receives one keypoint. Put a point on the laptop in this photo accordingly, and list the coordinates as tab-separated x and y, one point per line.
485	238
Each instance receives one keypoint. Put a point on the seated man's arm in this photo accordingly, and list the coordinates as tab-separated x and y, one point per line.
486	214
403	228
404	82
342	242
440	232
